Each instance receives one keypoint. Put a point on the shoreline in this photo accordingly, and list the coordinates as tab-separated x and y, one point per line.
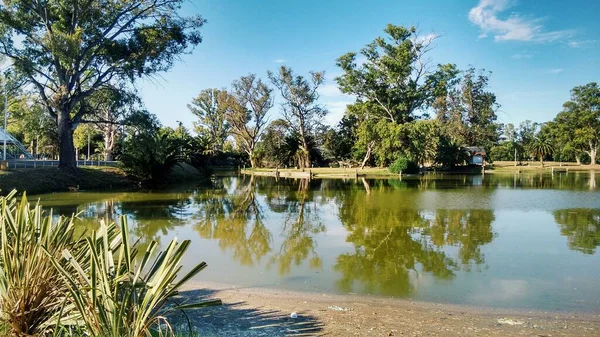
361	315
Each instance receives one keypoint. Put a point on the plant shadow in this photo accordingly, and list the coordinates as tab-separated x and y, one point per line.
237	319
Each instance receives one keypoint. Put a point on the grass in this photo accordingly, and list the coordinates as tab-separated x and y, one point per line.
333	171
535	166
50	179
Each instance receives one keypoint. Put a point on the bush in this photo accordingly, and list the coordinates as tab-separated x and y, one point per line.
404	165
55	283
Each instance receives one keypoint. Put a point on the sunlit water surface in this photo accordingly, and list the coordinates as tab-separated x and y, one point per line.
519	241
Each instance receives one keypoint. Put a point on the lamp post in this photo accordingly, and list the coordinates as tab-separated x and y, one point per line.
5	120
181	140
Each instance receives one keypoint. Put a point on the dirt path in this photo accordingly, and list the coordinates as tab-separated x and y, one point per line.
264	312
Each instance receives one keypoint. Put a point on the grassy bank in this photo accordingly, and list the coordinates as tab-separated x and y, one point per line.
536	167
50	179
332	172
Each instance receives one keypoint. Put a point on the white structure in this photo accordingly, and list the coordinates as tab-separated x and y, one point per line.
14	148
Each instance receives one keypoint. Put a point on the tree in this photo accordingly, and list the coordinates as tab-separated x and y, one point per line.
540	147
300	105
394	75
83	137
211	107
465	107
339	142
581	119
249	116
112	108
68	50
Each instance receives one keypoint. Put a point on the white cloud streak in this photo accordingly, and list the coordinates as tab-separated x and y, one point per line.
280	61
512	28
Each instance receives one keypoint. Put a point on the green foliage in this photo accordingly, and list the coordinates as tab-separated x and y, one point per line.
75	50
404	165
465	108
211	107
32	291
451	153
149	156
115	295
248	118
577	127
300	108
393	77
540	147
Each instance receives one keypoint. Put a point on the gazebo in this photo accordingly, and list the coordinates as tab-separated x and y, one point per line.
14	148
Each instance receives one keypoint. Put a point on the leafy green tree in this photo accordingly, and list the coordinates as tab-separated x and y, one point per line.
580	120
249	118
393	76
85	135
211	107
300	107
540	147
150	156
465	107
69	50
451	153
340	141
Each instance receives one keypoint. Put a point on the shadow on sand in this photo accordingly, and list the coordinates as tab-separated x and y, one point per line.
237	319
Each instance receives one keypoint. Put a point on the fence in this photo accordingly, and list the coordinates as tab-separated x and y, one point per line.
29	164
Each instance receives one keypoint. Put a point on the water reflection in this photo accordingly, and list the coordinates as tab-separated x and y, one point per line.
581	227
372	236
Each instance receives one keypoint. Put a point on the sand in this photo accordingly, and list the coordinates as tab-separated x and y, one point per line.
266	312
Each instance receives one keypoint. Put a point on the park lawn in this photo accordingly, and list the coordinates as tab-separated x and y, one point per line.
327	171
535	166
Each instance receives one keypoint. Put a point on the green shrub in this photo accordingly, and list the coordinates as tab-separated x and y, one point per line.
404	165
31	288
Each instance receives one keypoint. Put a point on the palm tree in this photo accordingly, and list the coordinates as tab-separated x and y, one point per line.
451	153
540	147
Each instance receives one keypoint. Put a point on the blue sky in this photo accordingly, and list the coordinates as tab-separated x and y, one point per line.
536	50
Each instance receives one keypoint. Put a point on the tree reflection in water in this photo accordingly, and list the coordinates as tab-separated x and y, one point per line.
235	220
581	227
301	224
395	243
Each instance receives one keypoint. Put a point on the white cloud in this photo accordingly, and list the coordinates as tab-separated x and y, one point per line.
280	61
336	109
579	44
330	90
428	38
521	56
512	28
555	71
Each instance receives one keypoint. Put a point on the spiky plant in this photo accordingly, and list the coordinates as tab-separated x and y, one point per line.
115	296
541	147
32	290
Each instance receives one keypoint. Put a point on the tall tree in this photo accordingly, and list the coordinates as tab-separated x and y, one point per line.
465	106
211	107
248	117
581	118
392	74
300	105
70	49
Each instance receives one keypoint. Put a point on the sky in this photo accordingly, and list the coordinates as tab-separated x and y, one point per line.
537	50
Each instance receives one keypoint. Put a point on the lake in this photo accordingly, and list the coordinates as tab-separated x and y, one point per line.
512	241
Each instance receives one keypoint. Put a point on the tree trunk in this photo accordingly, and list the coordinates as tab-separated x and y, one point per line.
66	149
367	155
578	159
593	154
542	160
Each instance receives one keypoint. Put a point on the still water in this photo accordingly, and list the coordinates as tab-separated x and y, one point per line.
518	241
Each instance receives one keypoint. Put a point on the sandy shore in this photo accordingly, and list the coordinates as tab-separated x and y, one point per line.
266	312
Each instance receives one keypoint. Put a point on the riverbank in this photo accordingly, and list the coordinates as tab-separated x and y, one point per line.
266	312
51	179
379	172
322	172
